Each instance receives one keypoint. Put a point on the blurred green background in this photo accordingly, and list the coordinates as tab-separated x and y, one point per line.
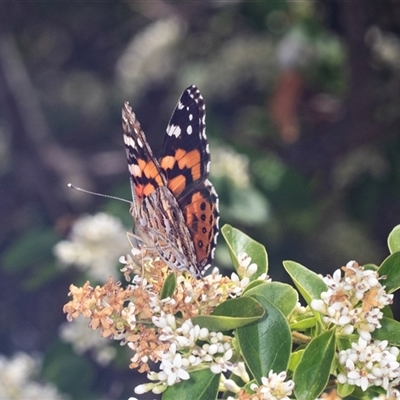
303	118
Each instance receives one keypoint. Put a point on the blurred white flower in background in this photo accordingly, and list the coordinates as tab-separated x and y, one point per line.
16	374
83	339
149	56
228	163
94	246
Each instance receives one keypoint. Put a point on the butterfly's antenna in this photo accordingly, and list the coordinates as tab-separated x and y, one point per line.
70	185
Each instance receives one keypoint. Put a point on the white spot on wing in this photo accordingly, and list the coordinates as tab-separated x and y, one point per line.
129	141
135	170
189	130
190	117
174	130
139	142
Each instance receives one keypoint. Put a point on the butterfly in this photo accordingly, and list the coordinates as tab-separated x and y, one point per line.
174	206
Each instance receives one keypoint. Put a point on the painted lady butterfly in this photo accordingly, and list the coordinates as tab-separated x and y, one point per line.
175	206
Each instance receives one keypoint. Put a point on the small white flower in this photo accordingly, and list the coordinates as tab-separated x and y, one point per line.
240	371
144	388
173	371
274	387
231	386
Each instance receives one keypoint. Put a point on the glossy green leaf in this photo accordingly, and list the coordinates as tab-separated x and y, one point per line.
231	314
387	312
344	390
391	269
295	358
281	295
303	324
343	343
267	343
312	372
169	286
202	385
370	266
394	240
239	243
389	331
309	284
253	284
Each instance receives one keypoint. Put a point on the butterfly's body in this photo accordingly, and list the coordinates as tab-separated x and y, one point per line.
175	206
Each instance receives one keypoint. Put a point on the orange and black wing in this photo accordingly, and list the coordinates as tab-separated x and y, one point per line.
145	172
185	162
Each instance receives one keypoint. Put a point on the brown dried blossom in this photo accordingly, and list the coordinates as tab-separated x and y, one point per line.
127	314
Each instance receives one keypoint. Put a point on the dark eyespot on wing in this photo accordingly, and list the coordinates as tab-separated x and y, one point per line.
201	214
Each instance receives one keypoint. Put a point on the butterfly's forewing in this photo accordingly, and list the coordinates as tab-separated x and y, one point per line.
185	161
145	172
185	157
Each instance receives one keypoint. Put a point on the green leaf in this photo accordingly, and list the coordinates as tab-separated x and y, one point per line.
309	284
391	269
295	358
33	248
169	286
343	343
303	324
202	385
231	314
281	295
387	312
312	372
37	278
394	240
370	266
389	331
344	389
74	375
253	284
267	343
239	243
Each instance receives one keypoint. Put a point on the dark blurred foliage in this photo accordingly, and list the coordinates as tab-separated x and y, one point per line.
320	129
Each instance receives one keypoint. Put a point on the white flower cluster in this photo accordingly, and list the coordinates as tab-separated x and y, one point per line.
16	381
84	340
272	388
94	246
226	160
371	364
354	300
246	270
184	354
148	57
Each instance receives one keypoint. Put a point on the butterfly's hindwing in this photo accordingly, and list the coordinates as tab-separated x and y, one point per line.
200	211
